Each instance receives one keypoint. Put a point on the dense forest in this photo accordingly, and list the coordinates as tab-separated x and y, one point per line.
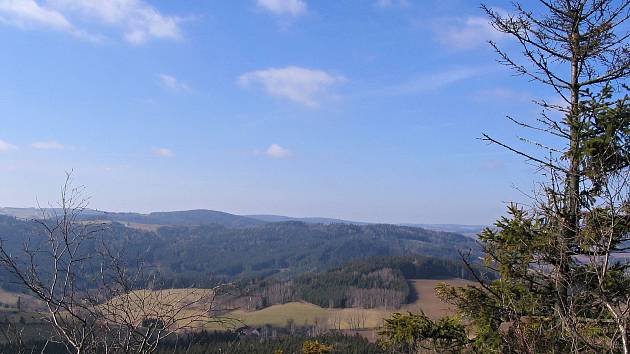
366	283
204	255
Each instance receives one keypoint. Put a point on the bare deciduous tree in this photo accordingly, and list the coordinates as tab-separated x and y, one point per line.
94	300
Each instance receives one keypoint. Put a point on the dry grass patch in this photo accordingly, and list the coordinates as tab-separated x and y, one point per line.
428	301
27	302
177	309
301	313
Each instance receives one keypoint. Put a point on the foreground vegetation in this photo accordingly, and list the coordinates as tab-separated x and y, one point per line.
220	343
564	282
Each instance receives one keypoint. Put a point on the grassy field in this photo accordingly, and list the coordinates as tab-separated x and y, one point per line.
27	302
279	315
145	303
300	313
427	301
309	314
8	297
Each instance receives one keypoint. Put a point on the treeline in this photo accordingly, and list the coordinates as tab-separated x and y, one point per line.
211	343
229	342
368	283
356	285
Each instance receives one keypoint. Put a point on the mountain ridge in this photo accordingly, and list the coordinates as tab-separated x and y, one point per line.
186	255
207	217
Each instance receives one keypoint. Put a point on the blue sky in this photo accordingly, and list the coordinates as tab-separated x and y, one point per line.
365	110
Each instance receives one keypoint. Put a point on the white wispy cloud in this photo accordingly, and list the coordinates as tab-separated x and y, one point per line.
163	152
434	81
391	3
493	165
172	83
138	20
284	7
294	83
466	33
6	147
30	14
276	151
47	145
504	94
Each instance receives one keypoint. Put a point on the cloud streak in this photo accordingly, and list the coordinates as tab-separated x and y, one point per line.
300	85
172	83
277	152
391	3
6	147
47	145
284	7
503	94
163	152
434	81
466	33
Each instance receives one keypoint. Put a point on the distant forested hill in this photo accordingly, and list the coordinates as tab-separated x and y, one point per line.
177	218
180	218
291	248
199	255
210	217
308	220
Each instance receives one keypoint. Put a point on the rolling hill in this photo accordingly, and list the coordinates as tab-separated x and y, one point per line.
208	217
203	254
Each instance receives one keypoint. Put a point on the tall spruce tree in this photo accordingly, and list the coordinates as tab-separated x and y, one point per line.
564	282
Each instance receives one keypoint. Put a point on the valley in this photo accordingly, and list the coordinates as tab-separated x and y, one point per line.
256	276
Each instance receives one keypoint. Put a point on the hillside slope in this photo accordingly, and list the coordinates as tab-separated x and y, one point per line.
201	255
